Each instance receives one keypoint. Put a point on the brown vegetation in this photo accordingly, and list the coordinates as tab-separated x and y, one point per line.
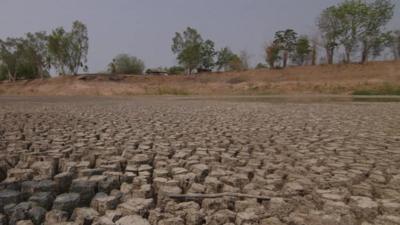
324	79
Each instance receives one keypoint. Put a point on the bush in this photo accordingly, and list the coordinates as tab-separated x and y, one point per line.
237	80
176	70
126	64
386	89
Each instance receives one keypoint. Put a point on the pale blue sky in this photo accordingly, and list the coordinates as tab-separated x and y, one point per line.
144	28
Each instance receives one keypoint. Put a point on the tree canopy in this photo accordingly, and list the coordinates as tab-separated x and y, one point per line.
192	51
126	64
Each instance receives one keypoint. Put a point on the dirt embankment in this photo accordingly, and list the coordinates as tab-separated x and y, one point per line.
373	78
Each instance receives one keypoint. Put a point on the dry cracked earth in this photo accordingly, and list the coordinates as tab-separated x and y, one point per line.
171	161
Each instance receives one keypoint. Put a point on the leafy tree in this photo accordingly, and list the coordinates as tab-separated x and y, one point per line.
227	60
78	47
126	64
22	57
349	17
245	58
9	55
236	63
329	26
272	54
394	44
37	52
207	54
3	72
187	46
58	46
314	51
68	50
302	50
286	40
192	51
374	19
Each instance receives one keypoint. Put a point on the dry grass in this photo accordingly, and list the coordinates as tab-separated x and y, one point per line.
325	79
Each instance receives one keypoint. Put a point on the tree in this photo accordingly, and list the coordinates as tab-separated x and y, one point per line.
227	60
375	16
207	54
302	50
349	17
286	41
394	44
3	72
224	57
37	51
245	59
187	46
9	54
68	50
236	63
329	26
192	51
78	47
58	45
272	54
126	64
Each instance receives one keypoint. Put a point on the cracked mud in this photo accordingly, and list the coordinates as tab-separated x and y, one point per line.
118	161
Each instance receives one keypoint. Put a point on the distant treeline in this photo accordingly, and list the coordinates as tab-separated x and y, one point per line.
354	30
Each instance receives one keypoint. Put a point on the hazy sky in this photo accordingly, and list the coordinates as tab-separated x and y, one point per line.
145	28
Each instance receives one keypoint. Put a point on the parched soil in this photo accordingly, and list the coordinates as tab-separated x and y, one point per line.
372	78
193	161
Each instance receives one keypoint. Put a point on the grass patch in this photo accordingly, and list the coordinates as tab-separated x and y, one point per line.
171	91
386	89
237	80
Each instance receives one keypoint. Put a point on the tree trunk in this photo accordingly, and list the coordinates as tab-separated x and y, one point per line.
364	53
329	55
364	56
285	58
40	71
314	56
348	55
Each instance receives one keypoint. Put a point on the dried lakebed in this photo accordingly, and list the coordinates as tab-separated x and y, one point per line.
172	161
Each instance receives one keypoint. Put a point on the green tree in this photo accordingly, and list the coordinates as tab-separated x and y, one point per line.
286	40
126	64
21	58
78	47
58	47
349	17
207	54
37	52
9	55
225	59
394	44
187	47
236	64
302	50
3	72
329	26
272	54
245	59
374	19
192	51
68	50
